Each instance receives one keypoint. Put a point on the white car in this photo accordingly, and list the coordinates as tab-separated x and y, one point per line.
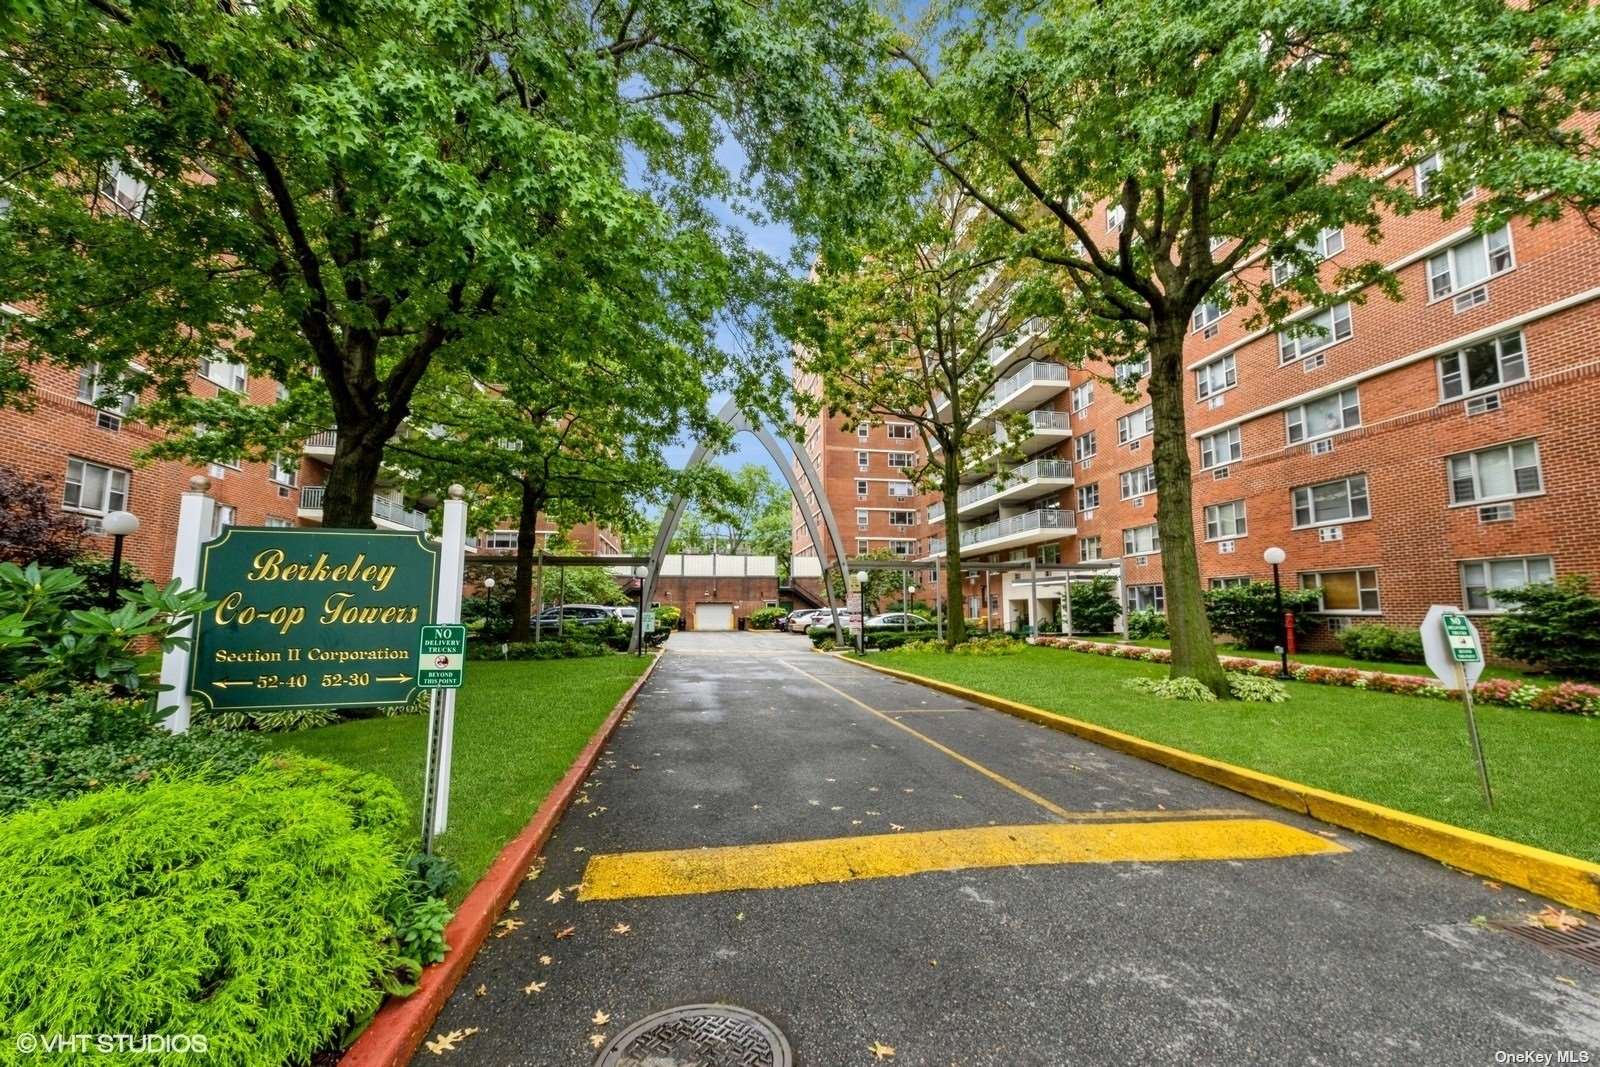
897	620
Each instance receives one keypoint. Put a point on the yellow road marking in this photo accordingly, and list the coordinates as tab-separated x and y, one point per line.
920	711
786	864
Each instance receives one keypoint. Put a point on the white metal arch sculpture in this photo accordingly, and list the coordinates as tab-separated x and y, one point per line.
739	422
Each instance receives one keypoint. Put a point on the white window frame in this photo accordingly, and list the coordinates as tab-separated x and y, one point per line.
1510	349
1207	315
863	431
279	474
125	192
95	395
1296	420
237	373
1226	525
1473	460
223	516
1487	584
1089	496
116	488
902	460
1126	432
1228	581
277	522
1116	217
1152	595
902	490
1089	548
1324	246
863	516
1149	534
1131	370
1140	481
1232	440
862	486
1082	397
1216	377
902	517
863	460
1335	325
900	431
1496	244
1352	483
1085	446
500	541
1313	580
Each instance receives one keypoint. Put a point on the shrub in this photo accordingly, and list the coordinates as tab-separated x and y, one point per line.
667	616
96	574
766	618
1556	625
1348	676
1094	605
887	639
1142	624
250	911
33	526
1173	688
1572	698
1375	641
995	645
1256	690
1397	683
1249	613
57	745
1505	691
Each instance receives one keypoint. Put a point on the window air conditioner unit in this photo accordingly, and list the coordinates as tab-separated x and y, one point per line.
1497	513
1083	464
1225	548
1220	473
1482	405
217	470
1210	331
1316	362
1331	533
1133	446
1088	514
1138	501
1322	447
1472	298
1216	402
1142	560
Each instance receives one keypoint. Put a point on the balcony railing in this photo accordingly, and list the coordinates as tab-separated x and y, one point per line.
1028	521
387	510
328	439
935	512
1044	421
1028	472
1033	373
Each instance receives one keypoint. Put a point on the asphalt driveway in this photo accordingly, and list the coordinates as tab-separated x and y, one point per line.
871	864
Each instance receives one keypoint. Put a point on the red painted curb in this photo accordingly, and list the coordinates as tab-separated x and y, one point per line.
401	1024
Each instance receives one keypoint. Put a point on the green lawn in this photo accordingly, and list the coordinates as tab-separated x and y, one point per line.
1406	752
519	726
1330	659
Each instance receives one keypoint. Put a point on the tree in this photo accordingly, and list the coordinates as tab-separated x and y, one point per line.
902	325
748	513
33	528
1220	131
344	195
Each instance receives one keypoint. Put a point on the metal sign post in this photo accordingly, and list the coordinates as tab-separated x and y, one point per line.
1454	652
441	664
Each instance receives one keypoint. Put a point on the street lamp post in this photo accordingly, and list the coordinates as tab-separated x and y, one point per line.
1276	556
638	616
118	524
488	596
861	619
905	614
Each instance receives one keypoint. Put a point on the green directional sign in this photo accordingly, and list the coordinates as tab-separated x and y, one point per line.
1458	635
311	618
442	657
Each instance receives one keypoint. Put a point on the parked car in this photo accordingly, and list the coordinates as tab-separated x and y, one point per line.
575	615
627	613
796	621
896	620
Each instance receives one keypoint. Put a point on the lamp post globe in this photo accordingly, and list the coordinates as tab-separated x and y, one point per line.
118	524
1276	556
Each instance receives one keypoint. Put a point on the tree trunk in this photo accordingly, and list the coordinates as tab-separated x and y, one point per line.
353	478
527	535
1194	653
955	630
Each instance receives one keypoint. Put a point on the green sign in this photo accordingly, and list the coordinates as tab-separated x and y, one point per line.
1458	635
311	618
649	623
442	657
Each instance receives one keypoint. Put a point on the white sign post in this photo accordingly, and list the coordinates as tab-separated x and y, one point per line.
196	511
1454	652
447	611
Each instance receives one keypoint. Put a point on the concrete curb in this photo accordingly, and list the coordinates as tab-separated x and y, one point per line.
1565	879
402	1023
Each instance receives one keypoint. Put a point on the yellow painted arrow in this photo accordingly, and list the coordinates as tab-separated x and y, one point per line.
393	678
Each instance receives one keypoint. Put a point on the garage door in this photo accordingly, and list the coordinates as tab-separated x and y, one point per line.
713	617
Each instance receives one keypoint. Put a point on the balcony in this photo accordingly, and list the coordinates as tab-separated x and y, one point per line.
321	445
1029	528
935	513
1045	429
386	513
1024	483
1031	386
1024	343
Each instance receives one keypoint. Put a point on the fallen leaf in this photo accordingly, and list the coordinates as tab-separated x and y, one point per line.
882	1051
545	961
621	928
1481	922
874	813
755	807
579	848
535	871
534	987
908	790
505	926
958	796
872	789
1552	918
575	887
1324	833
837	807
896	826
596	1040
555	897
514	905
448	1042
855	822
601	1018
1568	981
1494	886
740	917
565	932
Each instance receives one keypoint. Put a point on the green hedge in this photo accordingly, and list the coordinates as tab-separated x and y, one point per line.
887	639
766	618
249	911
1375	641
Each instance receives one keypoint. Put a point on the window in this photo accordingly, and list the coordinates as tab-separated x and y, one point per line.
1141	540
1225	520
223	515
1470	263
123	189
900	431
1116	215
862	547
900	489
902	518
1481	579
1324	415
1314	333
903	548
276	522
501	541
1082	397
1088	549
1425	170
1049	555
1336	501
861	489
902	460
284	472
1495	473
1328	243
1083	446
1139	424
1204	316
862	460
1089	496
113	409
1214	377
214	368
1344	591
863	431
1140	481
1484	366
861	518
1221	448
1132	370
95	489
1229	582
1146	598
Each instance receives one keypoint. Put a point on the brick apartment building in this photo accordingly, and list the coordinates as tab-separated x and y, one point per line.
1430	450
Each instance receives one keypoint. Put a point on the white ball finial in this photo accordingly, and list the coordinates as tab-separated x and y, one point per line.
1274	555
457	491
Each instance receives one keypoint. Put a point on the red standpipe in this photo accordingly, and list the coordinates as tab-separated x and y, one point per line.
1288	630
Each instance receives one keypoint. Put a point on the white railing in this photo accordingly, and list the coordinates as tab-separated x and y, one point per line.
1028	521
1050	420
1030	374
1028	472
326	439
387	510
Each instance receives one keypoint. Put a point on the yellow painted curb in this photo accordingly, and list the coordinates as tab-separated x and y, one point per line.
1565	879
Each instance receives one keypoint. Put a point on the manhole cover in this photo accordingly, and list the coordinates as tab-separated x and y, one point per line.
700	1035
1581	942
